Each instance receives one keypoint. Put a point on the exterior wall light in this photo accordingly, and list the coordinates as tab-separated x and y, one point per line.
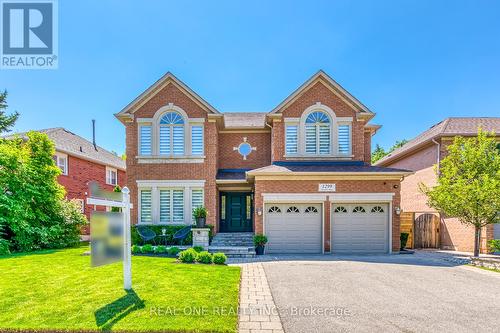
397	210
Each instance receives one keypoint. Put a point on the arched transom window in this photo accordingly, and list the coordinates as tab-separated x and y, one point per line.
171	134
318	129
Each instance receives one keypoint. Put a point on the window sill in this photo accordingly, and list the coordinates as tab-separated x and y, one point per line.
169	159
319	157
164	224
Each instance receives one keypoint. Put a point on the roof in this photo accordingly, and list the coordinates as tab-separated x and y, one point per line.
231	174
355	167
243	120
74	145
455	126
318	76
157	86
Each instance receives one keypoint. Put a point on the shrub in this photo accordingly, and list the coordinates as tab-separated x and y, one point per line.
198	248
204	257
404	239
259	240
148	248
494	245
170	231
161	249
219	258
188	256
136	249
200	212
173	251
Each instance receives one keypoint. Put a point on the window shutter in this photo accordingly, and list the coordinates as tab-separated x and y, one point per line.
344	139
291	139
165	140
178	139
324	139
197	140
165	206
178	206
145	140
310	139
146	206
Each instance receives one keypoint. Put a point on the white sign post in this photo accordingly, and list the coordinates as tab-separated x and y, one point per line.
125	205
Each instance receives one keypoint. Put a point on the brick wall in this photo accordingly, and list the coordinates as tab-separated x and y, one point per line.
342	186
80	173
368	147
231	159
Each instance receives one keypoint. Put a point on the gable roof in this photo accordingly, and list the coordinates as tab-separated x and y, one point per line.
166	79
323	77
74	145
454	126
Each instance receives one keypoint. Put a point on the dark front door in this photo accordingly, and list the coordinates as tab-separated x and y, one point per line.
236	211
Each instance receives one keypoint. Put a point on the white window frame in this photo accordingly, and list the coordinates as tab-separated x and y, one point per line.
108	179
64	157
156	185
334	123
139	136
154	122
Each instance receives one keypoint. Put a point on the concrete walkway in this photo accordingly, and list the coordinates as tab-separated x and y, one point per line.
257	312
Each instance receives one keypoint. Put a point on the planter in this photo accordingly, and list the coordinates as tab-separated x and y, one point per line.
200	222
259	250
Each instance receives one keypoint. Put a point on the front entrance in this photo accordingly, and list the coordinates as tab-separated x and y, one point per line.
236	212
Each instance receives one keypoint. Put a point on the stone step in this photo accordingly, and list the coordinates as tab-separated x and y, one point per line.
234	251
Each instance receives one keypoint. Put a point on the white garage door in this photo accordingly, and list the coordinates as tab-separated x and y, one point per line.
360	228
293	228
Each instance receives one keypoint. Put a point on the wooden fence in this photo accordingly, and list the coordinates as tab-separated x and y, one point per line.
407	226
423	229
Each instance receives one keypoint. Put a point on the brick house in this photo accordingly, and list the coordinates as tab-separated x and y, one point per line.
299	174
82	162
421	155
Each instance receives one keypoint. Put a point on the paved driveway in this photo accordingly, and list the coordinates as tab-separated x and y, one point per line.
401	293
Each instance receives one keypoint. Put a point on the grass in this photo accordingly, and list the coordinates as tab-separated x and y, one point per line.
58	290
486	268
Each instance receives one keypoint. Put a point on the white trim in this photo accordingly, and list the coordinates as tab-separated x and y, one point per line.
171	183
361	197
108	168
174	159
294	197
144	120
196	120
64	156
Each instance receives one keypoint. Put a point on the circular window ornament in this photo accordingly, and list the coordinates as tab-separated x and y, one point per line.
245	148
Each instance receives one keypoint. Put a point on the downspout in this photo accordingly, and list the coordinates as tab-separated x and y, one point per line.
438	154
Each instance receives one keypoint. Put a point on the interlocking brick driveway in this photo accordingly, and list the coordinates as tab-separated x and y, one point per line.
398	293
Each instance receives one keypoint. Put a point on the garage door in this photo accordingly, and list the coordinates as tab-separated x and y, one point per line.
293	228
360	228
496	231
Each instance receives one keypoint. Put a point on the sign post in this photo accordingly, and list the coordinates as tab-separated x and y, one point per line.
105	224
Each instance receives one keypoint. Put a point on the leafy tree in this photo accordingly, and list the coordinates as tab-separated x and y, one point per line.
117	189
6	121
33	210
468	185
380	153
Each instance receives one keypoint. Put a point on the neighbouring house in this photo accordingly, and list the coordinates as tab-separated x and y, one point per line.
299	174
81	162
421	155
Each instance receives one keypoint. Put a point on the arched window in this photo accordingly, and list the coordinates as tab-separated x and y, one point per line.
377	209
274	209
340	209
311	209
171	134
358	209
318	129
292	209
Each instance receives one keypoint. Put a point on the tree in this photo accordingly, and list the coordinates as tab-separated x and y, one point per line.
6	121
468	185
380	153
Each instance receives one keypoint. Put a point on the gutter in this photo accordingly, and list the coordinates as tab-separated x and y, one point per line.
438	153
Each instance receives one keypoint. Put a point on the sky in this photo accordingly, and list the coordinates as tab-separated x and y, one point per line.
413	63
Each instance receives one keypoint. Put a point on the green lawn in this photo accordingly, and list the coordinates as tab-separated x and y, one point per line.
59	290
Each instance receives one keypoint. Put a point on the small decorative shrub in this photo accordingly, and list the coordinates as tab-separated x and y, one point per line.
148	248
200	212
170	231
204	257
198	248
259	240
219	258
161	249
188	256
136	249
494	245
173	250
404	239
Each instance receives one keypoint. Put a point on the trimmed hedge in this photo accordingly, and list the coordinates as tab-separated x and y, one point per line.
170	231
204	257
219	258
188	256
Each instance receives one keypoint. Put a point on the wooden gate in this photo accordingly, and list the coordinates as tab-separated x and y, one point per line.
426	231
406	226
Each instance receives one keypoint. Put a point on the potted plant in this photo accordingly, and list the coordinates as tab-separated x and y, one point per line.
200	215
259	242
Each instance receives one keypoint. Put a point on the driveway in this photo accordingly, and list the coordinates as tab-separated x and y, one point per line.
399	293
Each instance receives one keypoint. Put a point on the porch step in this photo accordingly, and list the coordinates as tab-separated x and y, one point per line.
234	251
233	239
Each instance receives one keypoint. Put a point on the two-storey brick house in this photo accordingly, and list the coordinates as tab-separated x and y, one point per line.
300	173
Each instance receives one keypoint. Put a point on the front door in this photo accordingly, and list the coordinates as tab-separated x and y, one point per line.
236	211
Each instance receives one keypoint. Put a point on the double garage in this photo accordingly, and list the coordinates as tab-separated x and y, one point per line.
299	227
